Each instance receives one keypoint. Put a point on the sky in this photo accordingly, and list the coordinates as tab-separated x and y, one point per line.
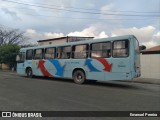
45	19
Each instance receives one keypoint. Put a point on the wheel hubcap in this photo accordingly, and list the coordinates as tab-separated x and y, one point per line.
29	73
79	77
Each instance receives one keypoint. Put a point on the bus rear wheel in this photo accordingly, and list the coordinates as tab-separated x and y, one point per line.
29	73
79	77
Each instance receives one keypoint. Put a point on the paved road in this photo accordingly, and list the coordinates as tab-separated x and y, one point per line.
21	93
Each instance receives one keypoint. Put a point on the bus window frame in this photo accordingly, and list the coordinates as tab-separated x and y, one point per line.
62	52
49	53
128	49
27	54
90	55
87	51
42	53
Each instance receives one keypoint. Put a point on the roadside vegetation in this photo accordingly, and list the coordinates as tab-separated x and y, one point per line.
11	40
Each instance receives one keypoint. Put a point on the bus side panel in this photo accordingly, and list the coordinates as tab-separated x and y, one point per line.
37	67
120	69
21	69
53	67
86	65
71	64
56	67
94	69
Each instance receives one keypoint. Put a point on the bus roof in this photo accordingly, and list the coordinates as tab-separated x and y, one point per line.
82	42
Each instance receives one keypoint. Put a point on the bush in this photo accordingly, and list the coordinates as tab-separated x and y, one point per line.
8	54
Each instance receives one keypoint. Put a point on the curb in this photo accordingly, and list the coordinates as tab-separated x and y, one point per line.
137	80
147	81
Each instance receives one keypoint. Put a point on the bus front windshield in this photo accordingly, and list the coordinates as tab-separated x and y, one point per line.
20	57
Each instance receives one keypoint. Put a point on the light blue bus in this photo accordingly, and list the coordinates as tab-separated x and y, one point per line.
112	58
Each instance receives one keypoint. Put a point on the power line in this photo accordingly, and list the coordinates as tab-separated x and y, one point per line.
80	18
84	8
60	9
70	17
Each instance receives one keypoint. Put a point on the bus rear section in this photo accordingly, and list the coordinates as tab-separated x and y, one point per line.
120	61
137	65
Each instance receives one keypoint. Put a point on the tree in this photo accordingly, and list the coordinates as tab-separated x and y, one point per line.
11	36
8	54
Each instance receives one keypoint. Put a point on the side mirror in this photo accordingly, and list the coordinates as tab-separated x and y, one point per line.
142	47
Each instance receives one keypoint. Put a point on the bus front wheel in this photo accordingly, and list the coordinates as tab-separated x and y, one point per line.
29	73
79	77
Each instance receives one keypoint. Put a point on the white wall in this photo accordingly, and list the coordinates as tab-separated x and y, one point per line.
150	66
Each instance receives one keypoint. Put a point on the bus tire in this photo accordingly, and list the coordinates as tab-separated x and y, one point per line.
29	73
79	77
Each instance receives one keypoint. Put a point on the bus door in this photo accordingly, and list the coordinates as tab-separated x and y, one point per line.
20	63
121	60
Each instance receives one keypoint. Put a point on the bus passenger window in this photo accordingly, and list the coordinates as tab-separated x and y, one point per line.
49	53
38	54
59	52
64	52
29	54
101	50
80	51
121	48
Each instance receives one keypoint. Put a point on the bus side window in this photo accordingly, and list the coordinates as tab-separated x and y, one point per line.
120	48
49	53
29	54
64	52
59	53
101	50
80	51
38	54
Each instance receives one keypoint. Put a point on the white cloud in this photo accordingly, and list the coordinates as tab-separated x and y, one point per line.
145	35
157	35
53	35
89	32
35	36
150	44
103	35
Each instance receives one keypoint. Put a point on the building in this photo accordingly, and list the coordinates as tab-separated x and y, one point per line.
62	40
150	63
153	50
